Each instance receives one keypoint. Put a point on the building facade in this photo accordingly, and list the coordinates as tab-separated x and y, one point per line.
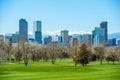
23	30
47	40
37	33
112	42
98	36
15	38
64	37
38	37
104	24
87	38
74	42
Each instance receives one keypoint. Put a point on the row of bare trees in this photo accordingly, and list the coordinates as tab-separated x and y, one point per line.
81	54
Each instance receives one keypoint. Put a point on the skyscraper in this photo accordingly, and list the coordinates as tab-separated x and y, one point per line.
98	36
104	25
37	33
23	29
87	39
64	37
38	37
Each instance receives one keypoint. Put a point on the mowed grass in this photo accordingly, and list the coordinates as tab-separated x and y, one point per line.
61	70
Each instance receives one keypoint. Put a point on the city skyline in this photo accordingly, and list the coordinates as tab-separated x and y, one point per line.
98	36
76	16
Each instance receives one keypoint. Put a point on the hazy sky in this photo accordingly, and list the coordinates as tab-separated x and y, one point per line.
56	15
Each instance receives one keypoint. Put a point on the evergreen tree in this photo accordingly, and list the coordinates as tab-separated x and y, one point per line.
82	55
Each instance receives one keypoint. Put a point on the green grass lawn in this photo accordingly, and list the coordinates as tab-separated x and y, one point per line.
61	70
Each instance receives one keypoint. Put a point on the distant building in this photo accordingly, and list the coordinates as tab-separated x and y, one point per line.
64	37
87	38
37	33
47	40
23	30
112	42
118	42
81	38
38	37
59	39
104	25
15	37
8	37
31	40
55	38
98	36
74	42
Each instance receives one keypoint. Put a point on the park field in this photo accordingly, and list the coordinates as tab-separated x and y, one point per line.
62	70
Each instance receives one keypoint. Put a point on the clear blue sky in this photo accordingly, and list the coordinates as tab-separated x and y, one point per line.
73	15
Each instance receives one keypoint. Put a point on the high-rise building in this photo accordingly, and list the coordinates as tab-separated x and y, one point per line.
87	38
37	33
80	38
64	37
38	37
23	30
112	42
47	40
15	38
104	25
118	42
98	36
74	42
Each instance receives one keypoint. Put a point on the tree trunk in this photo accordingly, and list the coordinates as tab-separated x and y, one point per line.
101	60
83	64
53	61
75	64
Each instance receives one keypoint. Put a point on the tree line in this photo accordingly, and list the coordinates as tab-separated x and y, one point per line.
81	53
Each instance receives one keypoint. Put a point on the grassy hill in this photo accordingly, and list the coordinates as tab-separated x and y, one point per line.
61	70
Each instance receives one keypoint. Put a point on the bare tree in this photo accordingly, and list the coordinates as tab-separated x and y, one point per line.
24	49
53	52
117	51
44	52
100	52
2	49
110	54
63	52
18	55
72	50
8	47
